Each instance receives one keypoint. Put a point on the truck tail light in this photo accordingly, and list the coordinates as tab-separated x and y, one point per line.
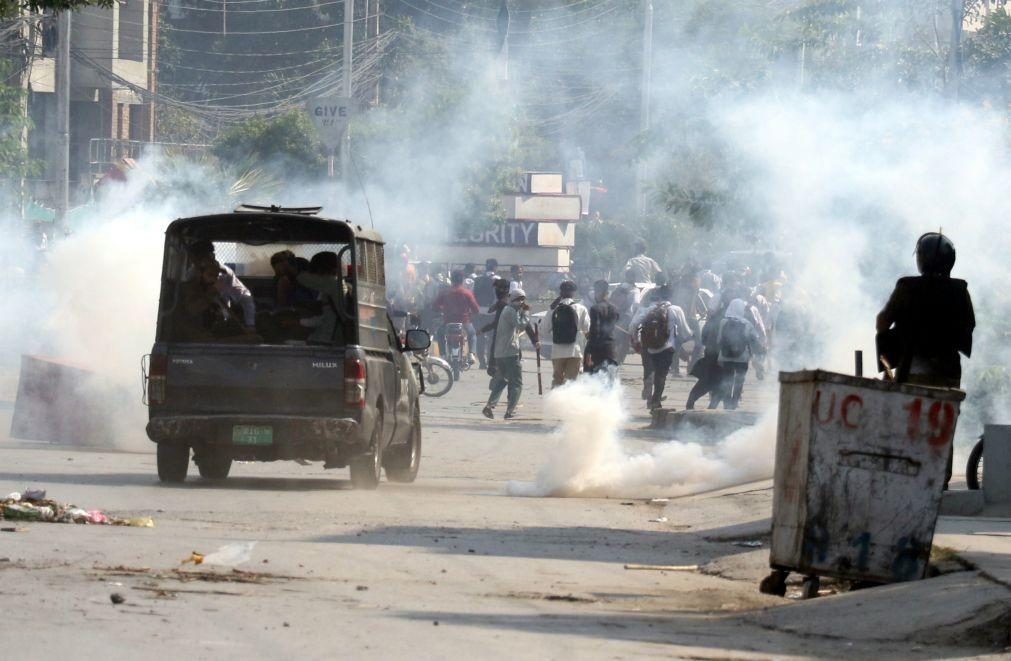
156	379
354	382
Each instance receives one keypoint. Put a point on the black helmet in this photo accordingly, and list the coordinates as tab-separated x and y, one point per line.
935	254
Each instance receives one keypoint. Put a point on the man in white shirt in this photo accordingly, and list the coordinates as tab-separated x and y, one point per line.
228	284
567	323
626	299
644	268
515	278
660	327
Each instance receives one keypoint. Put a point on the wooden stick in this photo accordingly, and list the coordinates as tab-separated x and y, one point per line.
664	567
537	347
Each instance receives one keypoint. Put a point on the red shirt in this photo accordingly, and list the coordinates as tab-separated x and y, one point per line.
457	303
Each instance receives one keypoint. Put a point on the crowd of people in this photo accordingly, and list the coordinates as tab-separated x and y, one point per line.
690	320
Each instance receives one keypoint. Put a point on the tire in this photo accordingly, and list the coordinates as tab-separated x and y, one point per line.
213	465
774	583
439	376
366	470
974	467
403	461
810	587
173	462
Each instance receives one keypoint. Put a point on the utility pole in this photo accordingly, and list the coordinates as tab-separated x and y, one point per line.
62	81
349	34
642	170
955	56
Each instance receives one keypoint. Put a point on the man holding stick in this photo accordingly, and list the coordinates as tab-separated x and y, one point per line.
512	323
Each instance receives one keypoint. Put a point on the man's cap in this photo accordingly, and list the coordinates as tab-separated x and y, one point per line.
517	295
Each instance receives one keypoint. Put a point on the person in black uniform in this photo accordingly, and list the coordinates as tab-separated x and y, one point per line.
600	342
927	322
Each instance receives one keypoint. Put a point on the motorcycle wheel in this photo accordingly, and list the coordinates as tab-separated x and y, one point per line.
974	467
438	379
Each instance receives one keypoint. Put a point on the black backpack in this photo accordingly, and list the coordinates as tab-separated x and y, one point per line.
484	290
655	332
564	324
733	338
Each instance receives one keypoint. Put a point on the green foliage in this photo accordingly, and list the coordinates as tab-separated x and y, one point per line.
14	160
13	8
988	56
286	145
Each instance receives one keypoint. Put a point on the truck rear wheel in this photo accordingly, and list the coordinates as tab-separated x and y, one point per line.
366	470
173	462
403	461
213	464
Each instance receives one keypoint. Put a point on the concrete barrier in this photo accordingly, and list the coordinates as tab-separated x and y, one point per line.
58	402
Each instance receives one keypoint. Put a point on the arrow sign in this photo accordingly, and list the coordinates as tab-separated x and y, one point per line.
331	115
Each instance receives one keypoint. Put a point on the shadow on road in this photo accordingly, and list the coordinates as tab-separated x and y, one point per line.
662	547
728	636
193	483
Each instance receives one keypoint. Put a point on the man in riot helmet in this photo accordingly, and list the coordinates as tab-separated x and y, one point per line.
927	322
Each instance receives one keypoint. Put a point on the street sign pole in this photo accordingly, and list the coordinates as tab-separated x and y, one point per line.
331	115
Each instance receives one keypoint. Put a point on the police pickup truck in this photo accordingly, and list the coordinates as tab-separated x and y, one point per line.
273	343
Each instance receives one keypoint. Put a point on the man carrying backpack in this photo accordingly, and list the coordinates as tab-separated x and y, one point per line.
738	341
659	327
567	322
484	292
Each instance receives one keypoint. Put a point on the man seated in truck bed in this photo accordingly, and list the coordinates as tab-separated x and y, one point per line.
204	313
322	276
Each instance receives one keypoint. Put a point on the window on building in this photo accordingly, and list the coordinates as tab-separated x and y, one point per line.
131	30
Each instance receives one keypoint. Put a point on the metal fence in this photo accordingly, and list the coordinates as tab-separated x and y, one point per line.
103	153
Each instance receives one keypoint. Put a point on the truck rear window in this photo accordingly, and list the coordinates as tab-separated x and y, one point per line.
278	293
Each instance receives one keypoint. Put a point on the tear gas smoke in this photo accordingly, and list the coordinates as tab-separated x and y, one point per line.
590	458
845	190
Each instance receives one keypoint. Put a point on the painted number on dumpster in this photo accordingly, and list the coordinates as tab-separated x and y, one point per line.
847	412
938	427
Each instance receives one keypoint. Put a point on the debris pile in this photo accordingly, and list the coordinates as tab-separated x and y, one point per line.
32	505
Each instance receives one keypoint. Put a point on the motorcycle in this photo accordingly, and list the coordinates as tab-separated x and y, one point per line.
438	375
455	355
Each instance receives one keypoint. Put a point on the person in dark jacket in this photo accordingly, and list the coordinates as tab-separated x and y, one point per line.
600	340
928	322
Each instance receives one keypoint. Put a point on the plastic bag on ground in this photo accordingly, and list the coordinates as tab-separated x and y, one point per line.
230	555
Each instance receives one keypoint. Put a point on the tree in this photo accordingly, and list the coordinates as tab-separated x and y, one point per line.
15	163
285	145
988	57
13	8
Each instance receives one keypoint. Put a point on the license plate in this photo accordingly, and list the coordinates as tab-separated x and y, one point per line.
252	435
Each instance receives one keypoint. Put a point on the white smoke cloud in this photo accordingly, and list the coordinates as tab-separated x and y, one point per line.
845	189
589	456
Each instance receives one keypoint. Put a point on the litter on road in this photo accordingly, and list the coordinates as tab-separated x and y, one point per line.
32	505
228	555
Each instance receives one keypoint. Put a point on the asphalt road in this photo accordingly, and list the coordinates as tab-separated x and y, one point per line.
447	567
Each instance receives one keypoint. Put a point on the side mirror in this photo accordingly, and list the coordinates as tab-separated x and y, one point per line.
417	340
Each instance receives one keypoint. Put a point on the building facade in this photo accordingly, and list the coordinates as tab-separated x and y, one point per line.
113	63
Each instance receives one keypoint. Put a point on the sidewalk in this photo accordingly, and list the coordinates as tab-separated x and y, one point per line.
983	541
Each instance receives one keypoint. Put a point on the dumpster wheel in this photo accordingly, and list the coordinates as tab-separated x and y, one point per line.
809	589
774	583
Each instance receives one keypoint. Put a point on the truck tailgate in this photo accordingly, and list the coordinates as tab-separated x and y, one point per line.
281	380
